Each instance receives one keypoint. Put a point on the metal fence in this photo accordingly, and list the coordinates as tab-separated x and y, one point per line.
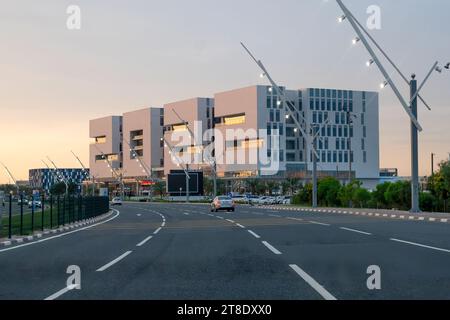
19	218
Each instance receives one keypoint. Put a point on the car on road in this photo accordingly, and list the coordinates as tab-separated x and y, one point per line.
222	203
116	201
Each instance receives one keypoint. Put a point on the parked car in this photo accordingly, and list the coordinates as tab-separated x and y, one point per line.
251	199
222	203
116	201
287	200
238	198
35	203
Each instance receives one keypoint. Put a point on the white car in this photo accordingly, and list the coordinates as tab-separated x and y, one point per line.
116	202
35	203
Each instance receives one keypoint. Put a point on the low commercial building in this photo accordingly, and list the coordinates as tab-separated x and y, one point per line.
44	178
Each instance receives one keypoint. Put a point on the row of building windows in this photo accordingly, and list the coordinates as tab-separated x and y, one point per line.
330	105
333	156
328	93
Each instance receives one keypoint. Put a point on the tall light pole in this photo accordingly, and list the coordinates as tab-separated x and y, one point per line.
211	163
185	169
410	108
119	177
11	176
310	137
88	174
60	175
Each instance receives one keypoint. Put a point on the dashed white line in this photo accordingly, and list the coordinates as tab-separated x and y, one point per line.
274	215
106	266
157	230
320	223
296	219
163	224
185	213
140	244
230	221
221	218
240	225
254	234
313	283
357	231
271	248
420	245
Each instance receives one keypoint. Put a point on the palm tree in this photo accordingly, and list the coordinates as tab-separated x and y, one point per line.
252	184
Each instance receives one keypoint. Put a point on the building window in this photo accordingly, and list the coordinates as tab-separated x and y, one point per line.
290	157
364	132
268	104
365	157
363	144
362	119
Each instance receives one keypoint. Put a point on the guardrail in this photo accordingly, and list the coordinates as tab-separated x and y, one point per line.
47	214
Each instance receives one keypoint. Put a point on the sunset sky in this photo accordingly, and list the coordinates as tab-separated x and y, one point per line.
133	54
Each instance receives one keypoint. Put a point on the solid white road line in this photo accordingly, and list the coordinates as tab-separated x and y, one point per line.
320	223
109	264
61	292
270	247
357	231
313	283
420	245
63	234
254	234
140	244
157	230
240	225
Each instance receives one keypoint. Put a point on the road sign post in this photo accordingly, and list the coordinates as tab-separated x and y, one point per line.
414	151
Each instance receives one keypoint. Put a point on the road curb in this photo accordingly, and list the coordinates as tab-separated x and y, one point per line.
51	232
396	216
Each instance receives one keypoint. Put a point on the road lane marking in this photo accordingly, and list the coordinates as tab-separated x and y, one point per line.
420	245
230	221
140	244
271	248
274	215
320	223
157	230
63	234
240	225
254	234
109	264
138	214
163	224
296	219
357	231
313	283
61	292
186	214
220	217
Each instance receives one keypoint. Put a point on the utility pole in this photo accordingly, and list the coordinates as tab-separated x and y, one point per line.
432	164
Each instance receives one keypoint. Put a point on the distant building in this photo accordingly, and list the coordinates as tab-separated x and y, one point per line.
388	172
45	178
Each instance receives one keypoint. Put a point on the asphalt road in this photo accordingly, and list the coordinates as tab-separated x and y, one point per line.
176	251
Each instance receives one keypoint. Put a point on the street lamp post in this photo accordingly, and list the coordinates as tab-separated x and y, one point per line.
410	109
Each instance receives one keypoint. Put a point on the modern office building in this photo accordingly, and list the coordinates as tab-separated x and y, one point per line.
250	134
182	121
346	121
105	150
127	149
142	144
44	179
